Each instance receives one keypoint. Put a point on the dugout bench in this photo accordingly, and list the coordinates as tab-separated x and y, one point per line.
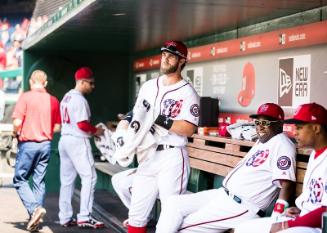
215	157
211	159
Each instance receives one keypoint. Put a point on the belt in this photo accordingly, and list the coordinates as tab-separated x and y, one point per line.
164	147
260	212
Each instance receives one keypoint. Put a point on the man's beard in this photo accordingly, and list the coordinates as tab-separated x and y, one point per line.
169	70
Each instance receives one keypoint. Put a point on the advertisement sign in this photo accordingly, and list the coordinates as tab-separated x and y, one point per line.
294	81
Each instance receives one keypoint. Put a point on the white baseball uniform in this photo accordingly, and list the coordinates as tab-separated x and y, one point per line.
251	186
166	173
75	157
313	196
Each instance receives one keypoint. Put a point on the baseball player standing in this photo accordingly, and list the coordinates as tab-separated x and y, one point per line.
36	117
176	104
75	152
311	131
247	190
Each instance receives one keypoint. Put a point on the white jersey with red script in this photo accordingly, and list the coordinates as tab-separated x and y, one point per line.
166	172
74	108
75	157
314	192
256	177
178	102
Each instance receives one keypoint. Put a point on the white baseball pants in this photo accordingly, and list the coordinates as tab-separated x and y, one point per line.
211	211
76	158
164	174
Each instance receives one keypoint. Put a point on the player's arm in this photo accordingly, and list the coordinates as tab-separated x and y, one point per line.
312	219
56	128
285	193
19	114
55	113
17	123
179	127
87	127
287	189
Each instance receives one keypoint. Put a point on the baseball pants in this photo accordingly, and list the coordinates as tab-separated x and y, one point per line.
211	211
164	174
76	159
263	225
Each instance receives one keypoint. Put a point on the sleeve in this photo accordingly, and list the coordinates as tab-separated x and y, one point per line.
82	111
86	127
55	111
311	219
283	163
190	108
142	95
20	108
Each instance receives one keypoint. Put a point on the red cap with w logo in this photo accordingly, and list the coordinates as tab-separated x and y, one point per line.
309	113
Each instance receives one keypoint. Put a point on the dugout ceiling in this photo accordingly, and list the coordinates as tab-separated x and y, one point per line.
130	26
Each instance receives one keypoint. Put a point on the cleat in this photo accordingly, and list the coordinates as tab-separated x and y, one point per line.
90	223
72	222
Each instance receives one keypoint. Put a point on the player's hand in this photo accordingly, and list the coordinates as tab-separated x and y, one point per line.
278	226
99	132
292	212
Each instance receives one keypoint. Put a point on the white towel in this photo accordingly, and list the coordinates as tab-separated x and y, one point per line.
141	137
105	144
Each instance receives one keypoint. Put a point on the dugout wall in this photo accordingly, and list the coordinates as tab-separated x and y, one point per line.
90	32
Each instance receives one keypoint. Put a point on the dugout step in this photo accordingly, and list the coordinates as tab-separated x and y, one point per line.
109	209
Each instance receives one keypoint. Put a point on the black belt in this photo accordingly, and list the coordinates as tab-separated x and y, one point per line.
164	147
260	213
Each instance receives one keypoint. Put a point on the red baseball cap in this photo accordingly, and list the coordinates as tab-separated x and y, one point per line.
309	113
270	110
84	73
175	47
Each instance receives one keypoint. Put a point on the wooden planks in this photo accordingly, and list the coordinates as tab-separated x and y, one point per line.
218	155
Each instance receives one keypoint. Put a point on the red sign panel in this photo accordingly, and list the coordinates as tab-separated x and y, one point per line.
301	36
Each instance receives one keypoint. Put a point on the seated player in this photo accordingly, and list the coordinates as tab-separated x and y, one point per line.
266	170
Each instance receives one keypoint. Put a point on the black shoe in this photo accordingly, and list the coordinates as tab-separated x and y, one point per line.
72	222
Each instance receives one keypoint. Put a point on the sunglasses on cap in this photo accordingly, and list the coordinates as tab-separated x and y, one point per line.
263	122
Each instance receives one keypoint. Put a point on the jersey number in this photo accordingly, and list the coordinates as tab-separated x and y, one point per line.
65	117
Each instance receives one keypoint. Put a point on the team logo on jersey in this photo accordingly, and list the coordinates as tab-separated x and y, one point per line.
120	141
146	105
258	158
152	130
283	163
195	110
316	188
172	108
135	125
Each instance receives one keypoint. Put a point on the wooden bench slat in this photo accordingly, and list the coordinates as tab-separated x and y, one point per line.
213	157
302	165
298	189
198	141
210	167
216	149
108	168
224	140
300	175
